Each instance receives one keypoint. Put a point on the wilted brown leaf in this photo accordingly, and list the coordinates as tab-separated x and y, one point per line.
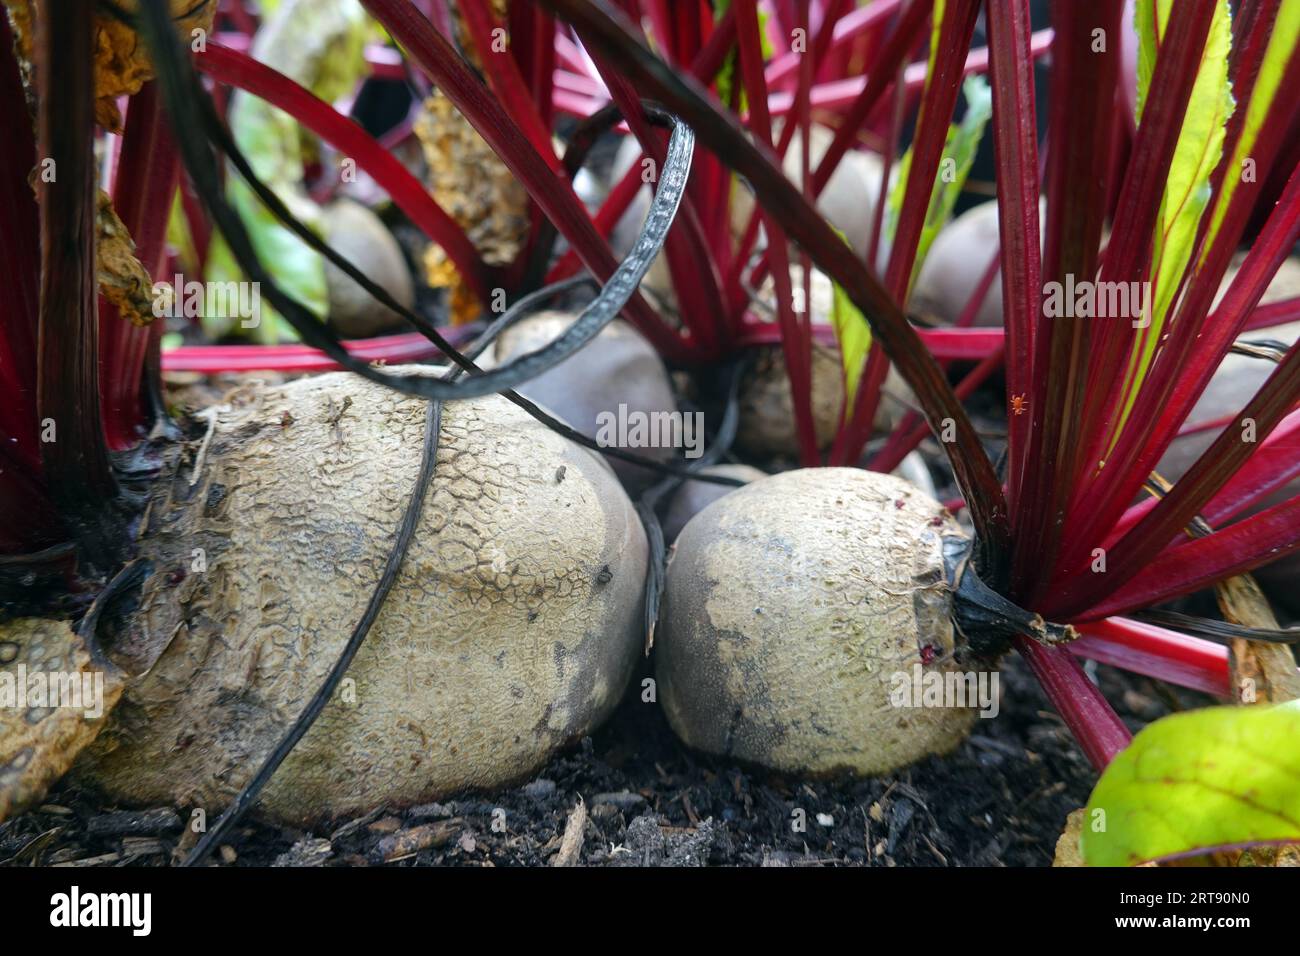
122	63
477	190
38	742
122	279
1267	671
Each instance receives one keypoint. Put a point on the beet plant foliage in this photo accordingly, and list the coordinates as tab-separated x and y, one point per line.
1172	146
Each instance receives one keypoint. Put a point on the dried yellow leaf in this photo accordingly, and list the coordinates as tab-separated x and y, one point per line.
477	190
38	742
122	279
122	62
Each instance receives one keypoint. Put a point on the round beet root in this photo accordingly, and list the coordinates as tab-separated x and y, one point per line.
362	238
795	608
955	265
616	379
694	496
848	200
512	628
767	422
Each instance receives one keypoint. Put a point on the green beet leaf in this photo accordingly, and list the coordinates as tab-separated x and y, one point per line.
1217	777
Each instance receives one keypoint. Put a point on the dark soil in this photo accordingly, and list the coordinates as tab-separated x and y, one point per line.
1000	800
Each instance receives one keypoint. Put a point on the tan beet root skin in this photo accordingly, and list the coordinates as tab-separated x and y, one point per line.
790	603
618	367
511	630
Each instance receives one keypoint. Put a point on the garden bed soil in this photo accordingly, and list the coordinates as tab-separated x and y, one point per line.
1000	799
